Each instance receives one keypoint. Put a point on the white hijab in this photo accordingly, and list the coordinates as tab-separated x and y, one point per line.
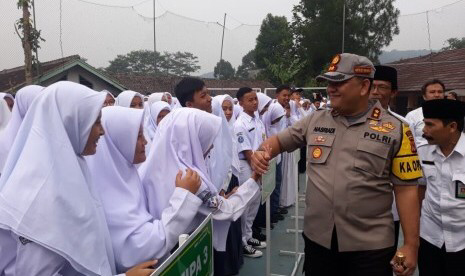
263	100
6	95
124	98
154	109
118	183
24	98
218	101
176	103
155	97
46	194
5	114
237	111
181	140
221	156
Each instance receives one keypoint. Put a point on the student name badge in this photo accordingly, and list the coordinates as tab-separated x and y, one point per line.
459	189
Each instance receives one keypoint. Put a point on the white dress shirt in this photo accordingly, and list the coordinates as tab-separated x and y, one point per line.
415	120
443	210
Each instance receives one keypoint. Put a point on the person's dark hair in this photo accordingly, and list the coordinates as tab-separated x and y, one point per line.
186	88
242	91
296	90
282	87
428	83
460	123
453	94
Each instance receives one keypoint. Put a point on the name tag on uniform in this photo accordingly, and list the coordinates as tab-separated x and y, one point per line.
459	189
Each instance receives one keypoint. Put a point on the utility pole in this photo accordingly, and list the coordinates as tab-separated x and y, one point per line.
26	41
36	50
343	24
154	38
222	41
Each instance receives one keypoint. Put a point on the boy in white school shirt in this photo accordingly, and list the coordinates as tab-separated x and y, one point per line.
250	133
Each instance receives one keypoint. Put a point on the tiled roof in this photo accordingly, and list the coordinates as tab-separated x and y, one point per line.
447	66
11	78
148	84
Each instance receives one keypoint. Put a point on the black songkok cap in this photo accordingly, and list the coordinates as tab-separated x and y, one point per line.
386	73
444	109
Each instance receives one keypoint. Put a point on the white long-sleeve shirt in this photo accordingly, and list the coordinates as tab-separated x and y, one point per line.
442	216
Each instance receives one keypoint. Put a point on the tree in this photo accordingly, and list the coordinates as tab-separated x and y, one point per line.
224	70
30	38
317	28
274	44
143	62
454	43
248	64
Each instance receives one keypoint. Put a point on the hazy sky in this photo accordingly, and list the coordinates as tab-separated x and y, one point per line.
100	33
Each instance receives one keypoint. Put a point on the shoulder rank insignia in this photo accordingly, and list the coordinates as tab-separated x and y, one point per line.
376	113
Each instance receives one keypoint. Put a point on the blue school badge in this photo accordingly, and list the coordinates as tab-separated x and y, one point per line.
240	139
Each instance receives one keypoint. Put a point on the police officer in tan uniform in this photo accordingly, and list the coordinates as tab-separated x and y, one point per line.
354	152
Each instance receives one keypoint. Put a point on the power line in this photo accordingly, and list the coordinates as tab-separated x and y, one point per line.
114	6
438	8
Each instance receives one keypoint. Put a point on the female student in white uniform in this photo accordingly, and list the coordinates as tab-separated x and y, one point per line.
130	99
232	258
154	114
24	98
135	234
183	140
47	201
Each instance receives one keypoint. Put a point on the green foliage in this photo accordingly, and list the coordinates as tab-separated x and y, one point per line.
224	70
274	49
143	62
34	37
455	43
317	27
248	64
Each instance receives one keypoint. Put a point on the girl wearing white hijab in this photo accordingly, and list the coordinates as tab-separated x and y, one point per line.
183	140
130	99
5	114
232	258
153	116
156	113
135	234
24	98
10	100
56	218
263	102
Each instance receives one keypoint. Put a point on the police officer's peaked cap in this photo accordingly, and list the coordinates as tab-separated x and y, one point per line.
444	109
346	66
386	73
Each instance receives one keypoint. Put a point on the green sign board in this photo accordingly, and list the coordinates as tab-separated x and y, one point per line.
194	257
269	181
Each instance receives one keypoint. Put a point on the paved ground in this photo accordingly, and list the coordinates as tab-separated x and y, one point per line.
280	240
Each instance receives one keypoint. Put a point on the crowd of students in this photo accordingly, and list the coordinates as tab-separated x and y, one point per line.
94	184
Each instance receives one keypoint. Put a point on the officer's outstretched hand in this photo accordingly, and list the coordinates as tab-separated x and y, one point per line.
408	266
260	160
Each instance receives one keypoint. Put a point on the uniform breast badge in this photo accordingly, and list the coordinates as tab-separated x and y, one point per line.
317	152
